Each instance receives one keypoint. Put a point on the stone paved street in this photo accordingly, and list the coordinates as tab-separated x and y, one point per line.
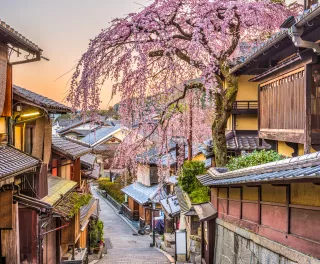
126	247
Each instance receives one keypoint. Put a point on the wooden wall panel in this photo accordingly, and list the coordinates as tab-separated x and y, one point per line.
50	244
235	209
283	96
6	209
77	171
305	194
130	203
10	247
222	205
28	229
68	234
223	192
250	212
305	223
250	193
141	212
274	217
274	194
214	197
234	193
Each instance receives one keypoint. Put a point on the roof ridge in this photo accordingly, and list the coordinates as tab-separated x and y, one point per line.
280	165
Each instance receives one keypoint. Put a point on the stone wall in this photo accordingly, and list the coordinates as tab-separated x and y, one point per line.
235	245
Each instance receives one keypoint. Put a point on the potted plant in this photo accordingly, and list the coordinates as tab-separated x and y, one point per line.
93	236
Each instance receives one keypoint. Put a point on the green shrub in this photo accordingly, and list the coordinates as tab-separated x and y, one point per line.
253	159
200	195
112	188
190	184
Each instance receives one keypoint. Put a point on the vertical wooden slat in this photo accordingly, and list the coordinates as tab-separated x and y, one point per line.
6	209
307	109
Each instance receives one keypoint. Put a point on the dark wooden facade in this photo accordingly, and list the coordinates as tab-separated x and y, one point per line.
289	104
288	214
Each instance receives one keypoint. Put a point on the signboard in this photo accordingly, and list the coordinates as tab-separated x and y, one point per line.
181	243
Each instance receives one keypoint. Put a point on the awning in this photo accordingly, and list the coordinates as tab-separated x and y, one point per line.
144	194
205	211
170	206
33	203
57	188
87	211
15	162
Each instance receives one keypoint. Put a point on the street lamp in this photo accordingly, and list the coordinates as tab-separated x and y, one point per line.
153	224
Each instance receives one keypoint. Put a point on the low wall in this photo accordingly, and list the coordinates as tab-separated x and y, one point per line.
235	245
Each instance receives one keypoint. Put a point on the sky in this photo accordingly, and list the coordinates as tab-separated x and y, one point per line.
62	29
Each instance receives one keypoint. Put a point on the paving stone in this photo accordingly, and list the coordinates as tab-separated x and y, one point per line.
126	248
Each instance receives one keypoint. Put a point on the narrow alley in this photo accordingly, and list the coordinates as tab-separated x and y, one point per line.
125	248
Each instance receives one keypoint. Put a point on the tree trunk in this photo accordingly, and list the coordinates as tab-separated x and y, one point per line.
223	106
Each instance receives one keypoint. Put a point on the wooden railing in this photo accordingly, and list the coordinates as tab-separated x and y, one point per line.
245	105
132	215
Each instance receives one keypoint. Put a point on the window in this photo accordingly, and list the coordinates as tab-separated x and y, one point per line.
28	139
18	137
153	175
3	130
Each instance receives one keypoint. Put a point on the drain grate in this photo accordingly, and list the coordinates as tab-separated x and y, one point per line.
108	244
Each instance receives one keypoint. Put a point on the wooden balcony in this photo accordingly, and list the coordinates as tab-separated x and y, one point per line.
132	215
245	107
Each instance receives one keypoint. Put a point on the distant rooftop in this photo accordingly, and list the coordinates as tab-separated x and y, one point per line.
100	135
68	147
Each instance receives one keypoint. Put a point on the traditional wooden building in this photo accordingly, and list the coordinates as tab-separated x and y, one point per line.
140	200
104	141
270	211
285	69
65	160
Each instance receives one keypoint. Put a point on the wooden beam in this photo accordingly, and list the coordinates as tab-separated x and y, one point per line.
307	111
282	136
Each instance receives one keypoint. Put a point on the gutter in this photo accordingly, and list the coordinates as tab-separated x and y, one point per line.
296	32
313	13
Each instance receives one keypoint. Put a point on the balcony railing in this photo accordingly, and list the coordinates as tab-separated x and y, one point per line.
131	215
245	107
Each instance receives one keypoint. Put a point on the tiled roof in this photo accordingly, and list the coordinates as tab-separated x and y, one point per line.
171	206
88	210
300	21
184	207
172	180
100	135
88	159
69	148
94	173
57	188
143	194
302	167
236	142
45	102
17	39
71	123
205	211
30	201
14	162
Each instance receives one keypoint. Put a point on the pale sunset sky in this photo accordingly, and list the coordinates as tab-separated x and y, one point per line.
62	28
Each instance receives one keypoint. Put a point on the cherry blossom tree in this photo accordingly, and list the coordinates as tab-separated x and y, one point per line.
172	58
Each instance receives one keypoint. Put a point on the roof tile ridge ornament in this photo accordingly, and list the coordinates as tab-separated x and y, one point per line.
307	160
